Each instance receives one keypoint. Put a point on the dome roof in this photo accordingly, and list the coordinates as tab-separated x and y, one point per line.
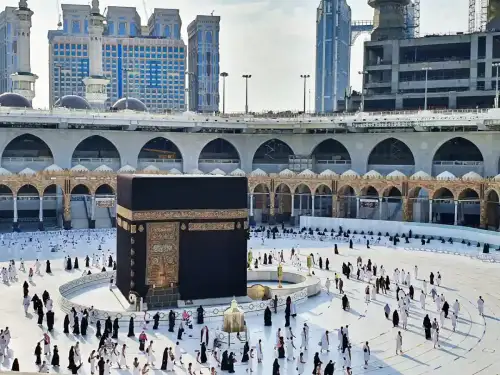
420	175
4	172
218	172
328	173
131	104
53	168
27	172
307	173
286	173
79	168
73	102
372	174
497	177
396	174
446	176
151	168
472	176
350	173
126	169
174	171
10	99
103	168
195	171
238	172
258	172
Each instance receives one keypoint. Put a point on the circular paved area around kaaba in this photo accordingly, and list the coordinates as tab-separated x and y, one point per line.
472	349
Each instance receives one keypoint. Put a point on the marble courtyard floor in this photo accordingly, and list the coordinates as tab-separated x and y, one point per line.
469	350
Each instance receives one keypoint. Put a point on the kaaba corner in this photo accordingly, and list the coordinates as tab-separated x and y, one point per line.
181	237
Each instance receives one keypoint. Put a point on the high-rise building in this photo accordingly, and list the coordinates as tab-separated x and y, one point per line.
147	63
203	60
8	56
333	38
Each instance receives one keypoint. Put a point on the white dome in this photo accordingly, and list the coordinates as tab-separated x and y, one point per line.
350	173
446	176
307	173
53	168
420	175
27	172
79	168
472	176
238	172
328	173
174	171
4	172
258	172
126	169
151	168
218	172
497	177
103	168
196	171
396	174
286	173
372	174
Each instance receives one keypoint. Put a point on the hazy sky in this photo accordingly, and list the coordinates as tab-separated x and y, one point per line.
271	39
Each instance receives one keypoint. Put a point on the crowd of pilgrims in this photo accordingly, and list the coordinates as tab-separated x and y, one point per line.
110	353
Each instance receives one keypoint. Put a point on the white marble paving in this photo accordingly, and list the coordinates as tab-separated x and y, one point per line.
472	349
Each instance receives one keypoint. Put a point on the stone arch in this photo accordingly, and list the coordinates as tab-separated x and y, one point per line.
273	151
418	204
283	202
443	193
392	192
467	194
418	192
160	148
261	189
27	145
104	189
281	185
369	191
28	190
346	202
458	149
94	151
391	151
468	208
5	191
261	202
346	190
80	189
331	150
303	199
52	190
323	202
218	147
323	189
492	209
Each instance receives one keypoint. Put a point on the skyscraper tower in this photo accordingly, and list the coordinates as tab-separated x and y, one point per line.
23	81
388	19
96	84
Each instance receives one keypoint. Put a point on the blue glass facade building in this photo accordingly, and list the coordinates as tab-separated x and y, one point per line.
147	63
8	57
333	36
204	67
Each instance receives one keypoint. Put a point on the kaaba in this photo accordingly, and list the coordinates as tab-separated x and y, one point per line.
181	237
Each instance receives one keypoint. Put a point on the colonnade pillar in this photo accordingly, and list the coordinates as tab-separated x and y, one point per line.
312	202
272	218
292	210
251	219
334	205
483	214
92	212
15	224
407	209
380	203
357	207
67	211
40	215
455	222
430	210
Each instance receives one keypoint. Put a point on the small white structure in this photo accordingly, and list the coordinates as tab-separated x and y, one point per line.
328	173
5	172
446	176
151	169
286	173
27	172
79	168
174	171
126	169
238	172
258	173
196	171
372	174
218	172
396	174
307	173
420	175
472	176
350	173
103	168
53	168
497	177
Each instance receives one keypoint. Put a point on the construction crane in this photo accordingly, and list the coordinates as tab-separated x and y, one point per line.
145	10
478	15
59	12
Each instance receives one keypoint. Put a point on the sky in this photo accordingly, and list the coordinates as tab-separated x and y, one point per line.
273	40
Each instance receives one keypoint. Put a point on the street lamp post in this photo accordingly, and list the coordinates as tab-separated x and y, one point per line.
496	65
363	90
305	77
224	75
247	77
426	68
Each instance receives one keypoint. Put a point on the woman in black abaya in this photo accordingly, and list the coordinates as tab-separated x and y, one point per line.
395	318
66	324
55	357
131	328
165	359
267	317
427	327
276	367
38	354
203	353
98	333
246	349
224	364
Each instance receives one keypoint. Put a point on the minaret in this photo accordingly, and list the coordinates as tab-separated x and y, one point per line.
388	19
23	81
96	84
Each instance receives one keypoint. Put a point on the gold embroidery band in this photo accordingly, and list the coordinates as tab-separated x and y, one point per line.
162	252
210	226
230	214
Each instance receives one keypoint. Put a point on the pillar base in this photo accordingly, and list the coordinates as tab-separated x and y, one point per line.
272	220
251	220
91	224
41	227
67	224
113	222
15	226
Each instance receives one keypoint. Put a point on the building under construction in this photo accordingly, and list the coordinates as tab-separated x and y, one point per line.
434	71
